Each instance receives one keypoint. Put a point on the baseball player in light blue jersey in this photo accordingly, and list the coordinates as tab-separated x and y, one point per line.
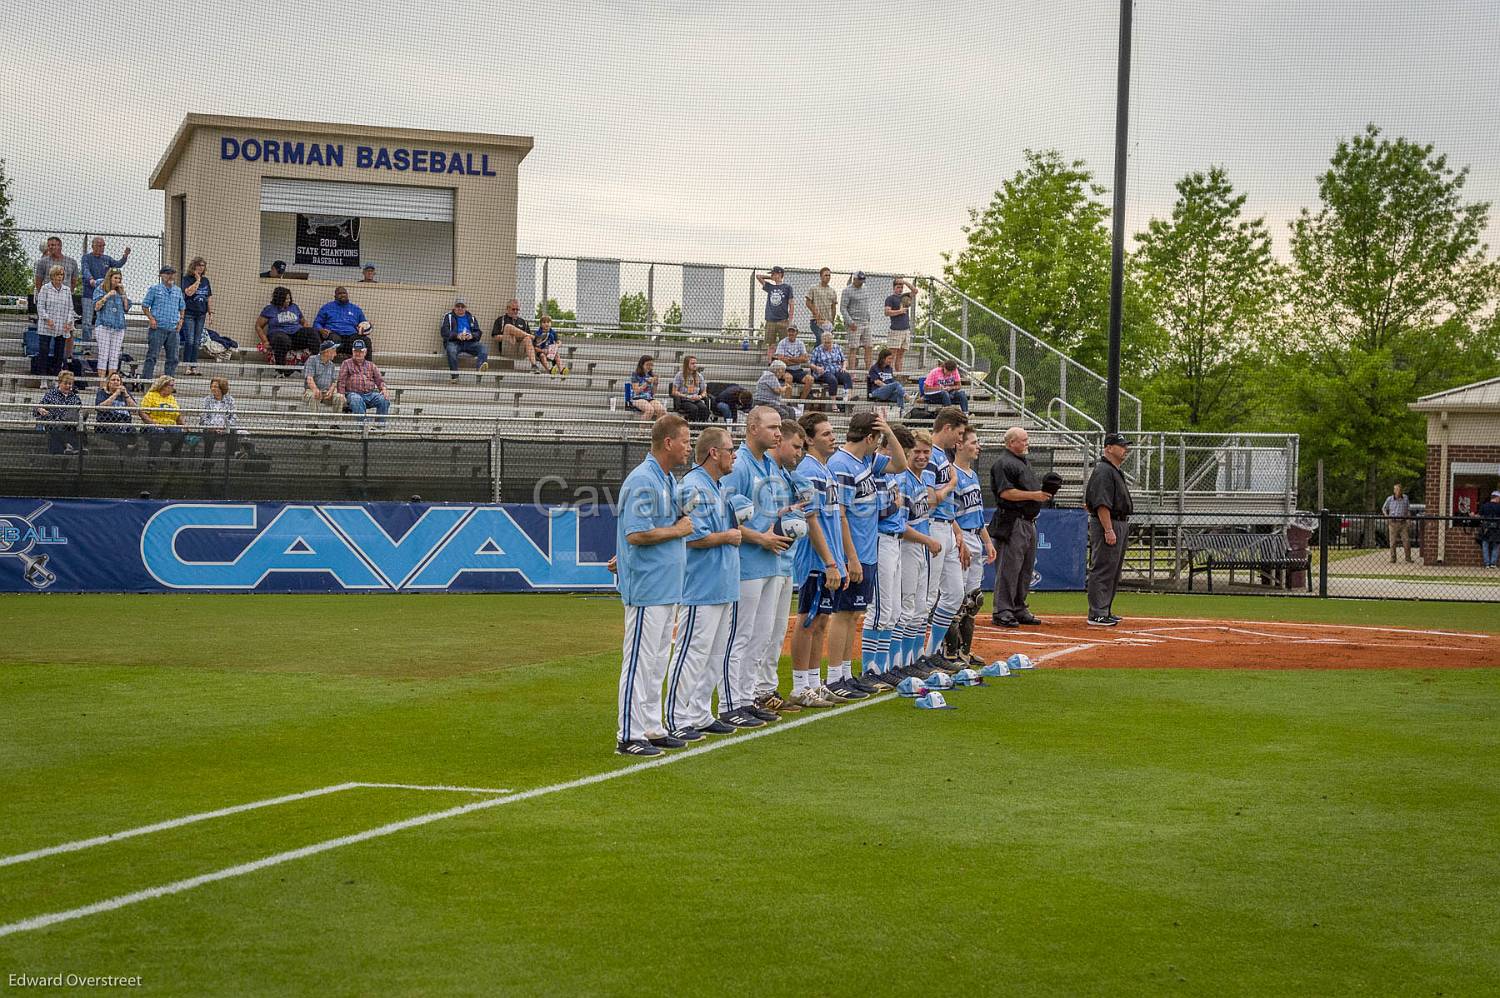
650	555
788	456
856	467
946	573
762	594
918	549
818	564
977	551
893	603
708	615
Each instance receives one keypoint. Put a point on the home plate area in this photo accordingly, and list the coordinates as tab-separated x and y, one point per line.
1192	643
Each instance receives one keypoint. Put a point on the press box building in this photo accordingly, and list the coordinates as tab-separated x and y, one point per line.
435	212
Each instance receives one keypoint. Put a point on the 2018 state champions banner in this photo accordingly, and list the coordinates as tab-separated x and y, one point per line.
130	545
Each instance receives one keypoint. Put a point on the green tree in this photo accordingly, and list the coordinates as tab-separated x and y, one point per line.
15	275
1393	298
635	311
672	317
560	316
1207	277
1039	254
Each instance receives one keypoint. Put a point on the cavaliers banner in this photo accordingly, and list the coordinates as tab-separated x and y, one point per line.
130	545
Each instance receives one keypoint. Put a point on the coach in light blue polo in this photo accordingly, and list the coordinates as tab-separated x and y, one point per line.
650	552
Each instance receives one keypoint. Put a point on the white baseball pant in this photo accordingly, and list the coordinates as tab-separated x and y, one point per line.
775	605
749	640
889	593
917	597
947	574
974	574
643	667
700	661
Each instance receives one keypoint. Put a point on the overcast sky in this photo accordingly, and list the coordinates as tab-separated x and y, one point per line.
853	134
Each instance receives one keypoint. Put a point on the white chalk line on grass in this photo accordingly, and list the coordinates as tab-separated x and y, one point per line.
177	887
162	826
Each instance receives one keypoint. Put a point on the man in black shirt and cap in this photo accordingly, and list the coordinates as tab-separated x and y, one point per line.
1019	498
1108	500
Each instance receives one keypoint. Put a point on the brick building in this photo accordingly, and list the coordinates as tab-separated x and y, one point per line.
1463	465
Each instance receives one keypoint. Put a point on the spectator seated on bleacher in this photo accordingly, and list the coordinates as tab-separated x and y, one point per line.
828	364
942	386
57	413
219	422
363	386
547	348
162	415
690	392
882	382
791	351
512	330
730	401
113	415
345	321
284	334
462	334
772	388
321	376
640	390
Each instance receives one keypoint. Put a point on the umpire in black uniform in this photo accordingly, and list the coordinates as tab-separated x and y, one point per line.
1019	497
1108	500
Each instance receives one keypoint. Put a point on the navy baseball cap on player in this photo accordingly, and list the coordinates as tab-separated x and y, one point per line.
1116	440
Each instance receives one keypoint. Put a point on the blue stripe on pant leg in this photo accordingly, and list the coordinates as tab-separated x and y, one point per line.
635	657
726	690
684	640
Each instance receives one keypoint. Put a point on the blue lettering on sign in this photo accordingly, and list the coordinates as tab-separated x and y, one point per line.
1041	542
365	157
346	543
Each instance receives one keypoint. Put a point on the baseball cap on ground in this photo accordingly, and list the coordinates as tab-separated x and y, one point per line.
968	677
938	681
934	701
1019	661
995	669
911	687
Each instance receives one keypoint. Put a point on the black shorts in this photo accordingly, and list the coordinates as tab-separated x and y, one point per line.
810	590
857	597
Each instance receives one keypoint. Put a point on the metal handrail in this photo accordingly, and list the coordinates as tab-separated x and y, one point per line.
1069	407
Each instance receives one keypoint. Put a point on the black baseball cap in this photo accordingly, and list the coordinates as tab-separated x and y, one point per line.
1116	440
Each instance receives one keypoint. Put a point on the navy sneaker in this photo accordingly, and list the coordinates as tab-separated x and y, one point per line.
739	719
636	747
717	727
667	741
1004	620
761	712
864	684
848	690
892	677
687	734
1028	619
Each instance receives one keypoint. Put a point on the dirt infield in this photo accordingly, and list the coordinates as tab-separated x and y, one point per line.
1191	643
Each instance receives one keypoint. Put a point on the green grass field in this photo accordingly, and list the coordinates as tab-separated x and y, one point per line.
1062	832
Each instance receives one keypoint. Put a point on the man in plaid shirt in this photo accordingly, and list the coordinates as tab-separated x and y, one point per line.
361	382
828	367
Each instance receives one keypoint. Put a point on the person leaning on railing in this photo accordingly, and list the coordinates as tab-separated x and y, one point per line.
162	414
114	411
57	413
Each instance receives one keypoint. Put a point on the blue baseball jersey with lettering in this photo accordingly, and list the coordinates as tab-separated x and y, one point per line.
792	487
760	482
969	498
858	493
942	474
919	499
712	574
649	574
823	506
893	511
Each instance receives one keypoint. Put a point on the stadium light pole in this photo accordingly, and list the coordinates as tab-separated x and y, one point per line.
1117	250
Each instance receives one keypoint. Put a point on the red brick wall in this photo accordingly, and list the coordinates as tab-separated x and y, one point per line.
1461	546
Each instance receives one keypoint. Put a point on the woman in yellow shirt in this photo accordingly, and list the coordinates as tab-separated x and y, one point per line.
163	417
